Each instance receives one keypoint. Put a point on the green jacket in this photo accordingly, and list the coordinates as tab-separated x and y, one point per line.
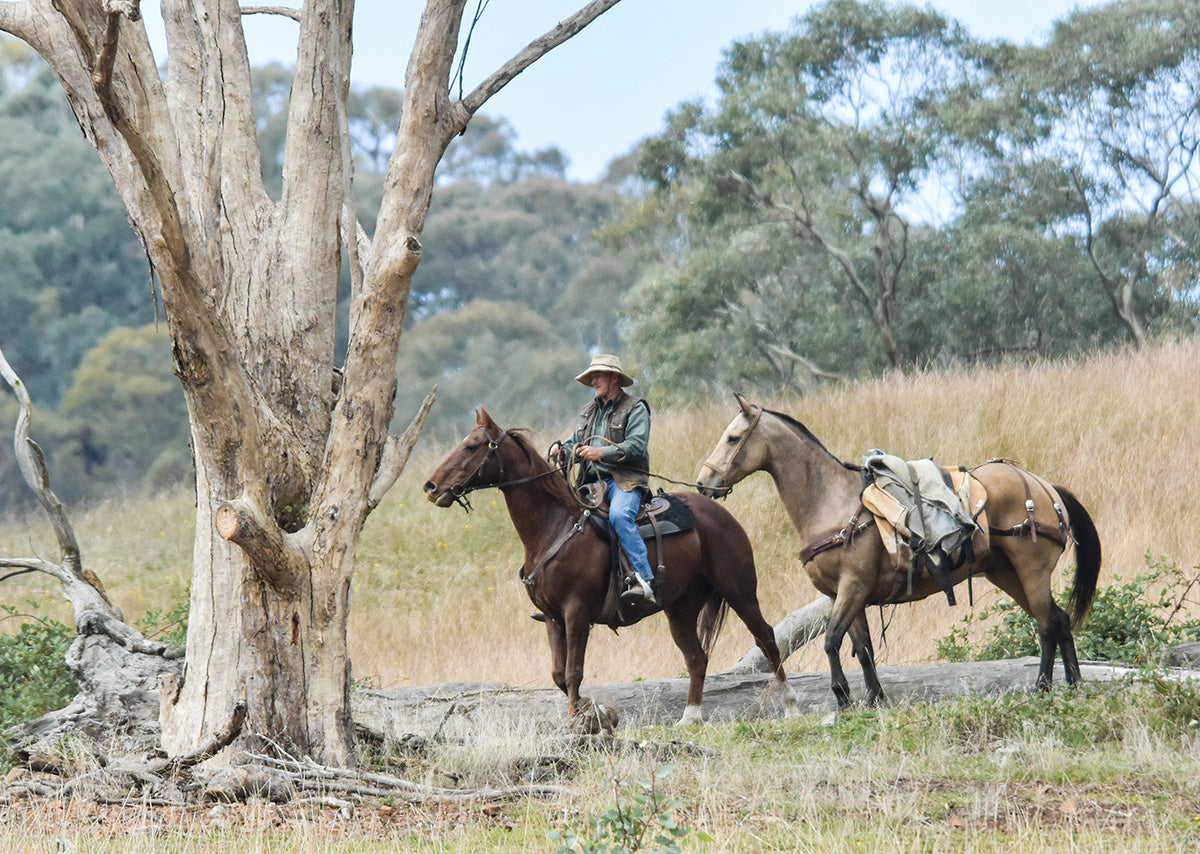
621	429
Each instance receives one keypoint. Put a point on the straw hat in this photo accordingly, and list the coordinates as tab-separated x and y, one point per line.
605	363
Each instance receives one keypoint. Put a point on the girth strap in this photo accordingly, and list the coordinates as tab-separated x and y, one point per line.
839	538
1025	529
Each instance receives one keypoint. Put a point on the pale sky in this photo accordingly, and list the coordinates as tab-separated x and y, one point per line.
612	85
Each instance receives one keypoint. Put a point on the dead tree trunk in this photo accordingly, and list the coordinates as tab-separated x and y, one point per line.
793	632
289	462
114	666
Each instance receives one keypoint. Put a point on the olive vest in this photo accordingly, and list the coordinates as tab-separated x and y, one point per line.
632	472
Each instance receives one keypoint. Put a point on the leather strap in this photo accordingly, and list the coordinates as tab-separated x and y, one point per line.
838	538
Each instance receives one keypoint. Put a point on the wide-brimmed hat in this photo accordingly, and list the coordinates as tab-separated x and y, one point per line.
607	364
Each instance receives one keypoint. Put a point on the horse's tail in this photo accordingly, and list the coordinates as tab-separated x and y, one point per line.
711	619
1087	558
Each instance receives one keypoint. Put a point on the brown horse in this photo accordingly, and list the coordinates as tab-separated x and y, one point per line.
709	569
847	560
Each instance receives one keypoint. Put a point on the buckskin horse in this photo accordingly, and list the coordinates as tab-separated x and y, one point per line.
1029	523
567	569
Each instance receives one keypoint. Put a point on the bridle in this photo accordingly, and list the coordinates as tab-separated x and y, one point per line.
724	491
468	486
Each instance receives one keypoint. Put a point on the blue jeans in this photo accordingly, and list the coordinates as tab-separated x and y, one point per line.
622	510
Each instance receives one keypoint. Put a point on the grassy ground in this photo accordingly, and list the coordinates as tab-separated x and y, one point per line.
1109	767
1114	428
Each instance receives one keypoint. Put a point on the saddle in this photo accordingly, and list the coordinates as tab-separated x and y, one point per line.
661	516
930	518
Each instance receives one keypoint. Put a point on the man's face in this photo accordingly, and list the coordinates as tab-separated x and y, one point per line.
605	385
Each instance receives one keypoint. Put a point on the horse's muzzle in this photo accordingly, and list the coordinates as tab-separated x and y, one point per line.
441	497
713	488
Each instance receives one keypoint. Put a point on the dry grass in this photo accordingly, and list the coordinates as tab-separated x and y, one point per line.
436	597
1114	428
1098	769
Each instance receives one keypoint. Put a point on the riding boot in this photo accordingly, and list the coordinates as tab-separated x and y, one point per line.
639	588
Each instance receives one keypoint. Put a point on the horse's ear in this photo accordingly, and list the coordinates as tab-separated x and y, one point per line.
747	406
482	419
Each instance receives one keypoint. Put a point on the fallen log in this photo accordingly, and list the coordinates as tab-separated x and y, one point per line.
462	709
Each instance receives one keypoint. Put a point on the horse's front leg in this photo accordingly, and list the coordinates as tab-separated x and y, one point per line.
556	634
839	623
864	651
576	633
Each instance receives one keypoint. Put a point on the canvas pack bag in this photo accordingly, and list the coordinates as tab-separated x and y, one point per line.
930	517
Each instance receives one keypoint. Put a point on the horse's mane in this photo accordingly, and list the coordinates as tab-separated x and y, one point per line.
553	484
810	436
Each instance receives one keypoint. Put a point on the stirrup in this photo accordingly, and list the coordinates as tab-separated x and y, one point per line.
641	590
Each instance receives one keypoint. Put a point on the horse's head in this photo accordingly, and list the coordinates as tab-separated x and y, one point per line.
736	454
473	464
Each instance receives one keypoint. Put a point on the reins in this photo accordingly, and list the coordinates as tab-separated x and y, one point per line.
647	472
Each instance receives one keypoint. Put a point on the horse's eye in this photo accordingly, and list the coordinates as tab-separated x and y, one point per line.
733	440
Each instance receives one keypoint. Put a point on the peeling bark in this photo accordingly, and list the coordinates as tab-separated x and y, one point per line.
287	468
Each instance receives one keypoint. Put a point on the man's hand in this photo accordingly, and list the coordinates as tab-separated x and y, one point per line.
589	452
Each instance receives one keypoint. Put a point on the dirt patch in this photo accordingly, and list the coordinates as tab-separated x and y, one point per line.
50	819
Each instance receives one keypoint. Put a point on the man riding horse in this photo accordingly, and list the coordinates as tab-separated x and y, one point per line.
612	439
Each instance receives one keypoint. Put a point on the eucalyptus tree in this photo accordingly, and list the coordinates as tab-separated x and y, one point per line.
291	452
1093	139
819	138
519	241
1129	135
502	354
70	268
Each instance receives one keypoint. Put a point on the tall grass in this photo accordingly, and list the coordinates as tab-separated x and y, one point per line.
1109	767
436	596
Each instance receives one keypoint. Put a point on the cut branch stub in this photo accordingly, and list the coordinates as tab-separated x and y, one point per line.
264	543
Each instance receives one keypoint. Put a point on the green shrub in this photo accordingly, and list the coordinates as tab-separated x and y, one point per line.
169	624
641	818
33	674
1129	624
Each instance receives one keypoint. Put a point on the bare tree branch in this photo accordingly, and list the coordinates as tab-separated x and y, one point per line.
534	51
285	11
396	452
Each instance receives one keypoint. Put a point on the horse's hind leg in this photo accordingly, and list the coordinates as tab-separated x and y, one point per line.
1036	600
682	619
1066	644
750	613
860	644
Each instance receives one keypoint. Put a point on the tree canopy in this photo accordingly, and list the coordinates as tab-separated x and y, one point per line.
876	188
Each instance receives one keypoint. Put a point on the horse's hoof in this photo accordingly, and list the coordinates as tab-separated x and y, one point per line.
593	718
691	715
